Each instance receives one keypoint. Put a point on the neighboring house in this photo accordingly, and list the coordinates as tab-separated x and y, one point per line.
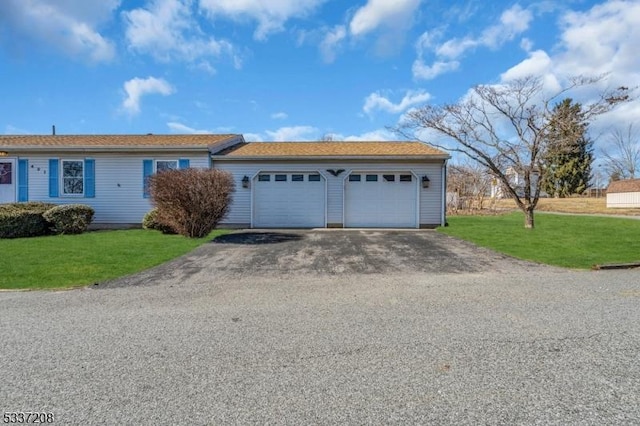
106	172
624	194
516	180
278	184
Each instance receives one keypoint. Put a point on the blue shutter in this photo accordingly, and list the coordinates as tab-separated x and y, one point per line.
90	178
53	177
147	170
183	163
23	180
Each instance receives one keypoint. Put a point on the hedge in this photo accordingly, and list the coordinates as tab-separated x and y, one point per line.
69	218
19	220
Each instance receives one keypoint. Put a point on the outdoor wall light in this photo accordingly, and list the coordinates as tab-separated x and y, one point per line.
4	154
425	181
245	182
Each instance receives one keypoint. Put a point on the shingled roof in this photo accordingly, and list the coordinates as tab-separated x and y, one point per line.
330	150
49	142
629	185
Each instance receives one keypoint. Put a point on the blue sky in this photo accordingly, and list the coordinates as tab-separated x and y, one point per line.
290	69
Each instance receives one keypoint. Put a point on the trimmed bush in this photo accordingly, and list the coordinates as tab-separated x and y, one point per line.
69	218
150	221
21	220
191	201
31	206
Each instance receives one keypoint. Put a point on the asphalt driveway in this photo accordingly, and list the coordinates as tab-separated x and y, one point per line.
329	252
330	327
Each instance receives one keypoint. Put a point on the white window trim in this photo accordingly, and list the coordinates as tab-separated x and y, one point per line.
165	160
84	169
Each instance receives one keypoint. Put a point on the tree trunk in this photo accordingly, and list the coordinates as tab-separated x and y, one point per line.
528	218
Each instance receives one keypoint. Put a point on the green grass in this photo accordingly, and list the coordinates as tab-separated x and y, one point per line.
568	241
73	260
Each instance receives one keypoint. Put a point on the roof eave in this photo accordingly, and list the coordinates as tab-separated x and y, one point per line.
327	157
145	148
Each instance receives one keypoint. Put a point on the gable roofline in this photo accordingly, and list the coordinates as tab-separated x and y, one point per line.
118	143
622	186
295	151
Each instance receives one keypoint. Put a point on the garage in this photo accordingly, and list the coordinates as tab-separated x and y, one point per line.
289	200
335	184
381	200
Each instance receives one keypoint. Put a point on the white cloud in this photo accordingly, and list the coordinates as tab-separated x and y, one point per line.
271	15
295	133
167	30
382	13
252	137
600	40
138	87
429	72
331	42
376	101
526	44
374	135
182	129
69	25
538	63
603	39
279	116
513	22
390	20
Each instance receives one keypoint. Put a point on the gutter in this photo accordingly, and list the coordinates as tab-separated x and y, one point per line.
130	148
216	147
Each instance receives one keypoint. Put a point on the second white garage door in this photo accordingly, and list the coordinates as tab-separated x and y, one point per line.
378	200
289	200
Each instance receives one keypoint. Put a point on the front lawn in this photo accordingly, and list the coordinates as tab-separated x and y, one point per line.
74	260
569	241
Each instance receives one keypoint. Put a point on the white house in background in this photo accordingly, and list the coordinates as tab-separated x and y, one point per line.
624	194
278	184
516	178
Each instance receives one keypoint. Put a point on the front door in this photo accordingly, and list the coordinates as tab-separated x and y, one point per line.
7	180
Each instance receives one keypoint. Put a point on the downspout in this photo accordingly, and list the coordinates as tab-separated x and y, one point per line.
444	194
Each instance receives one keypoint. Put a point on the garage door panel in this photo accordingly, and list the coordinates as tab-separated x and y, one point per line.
290	203
381	203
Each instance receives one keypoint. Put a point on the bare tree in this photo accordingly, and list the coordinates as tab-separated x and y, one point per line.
504	127
622	157
468	185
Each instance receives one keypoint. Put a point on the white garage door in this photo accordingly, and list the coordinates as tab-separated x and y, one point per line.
381	199
289	200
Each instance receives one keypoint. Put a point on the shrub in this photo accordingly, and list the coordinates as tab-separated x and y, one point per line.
150	221
69	218
191	201
20	220
31	206
20	224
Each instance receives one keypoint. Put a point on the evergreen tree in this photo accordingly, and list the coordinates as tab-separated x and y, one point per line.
570	154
